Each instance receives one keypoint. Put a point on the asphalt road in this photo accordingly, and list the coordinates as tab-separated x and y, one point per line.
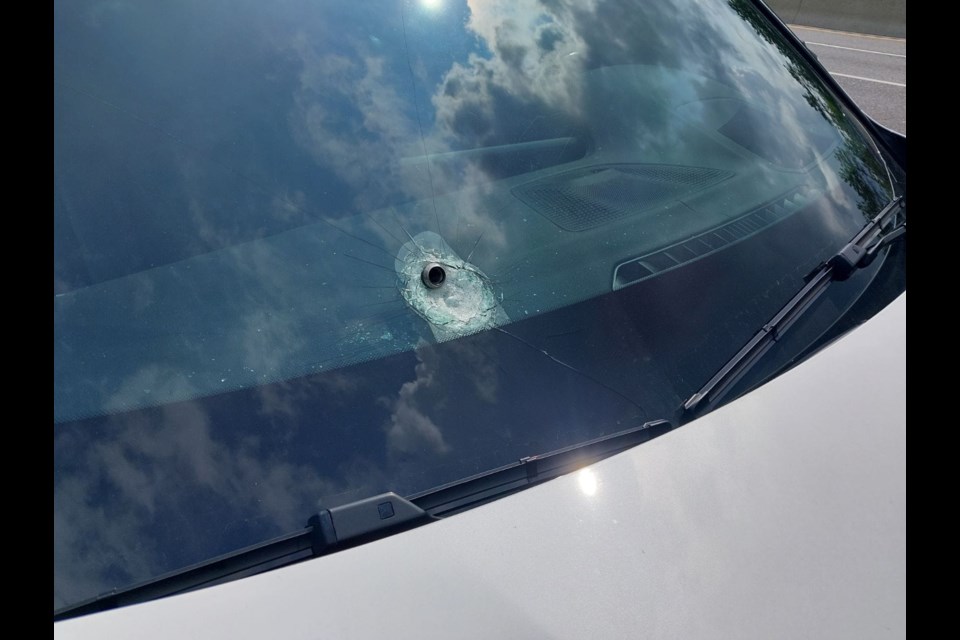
871	69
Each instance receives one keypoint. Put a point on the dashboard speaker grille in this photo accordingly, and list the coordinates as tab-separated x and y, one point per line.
716	239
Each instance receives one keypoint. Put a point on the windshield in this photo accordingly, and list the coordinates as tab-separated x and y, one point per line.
307	252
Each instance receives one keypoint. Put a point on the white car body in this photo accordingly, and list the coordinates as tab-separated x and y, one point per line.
782	514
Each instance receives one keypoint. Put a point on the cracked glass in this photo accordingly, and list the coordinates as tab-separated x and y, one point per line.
308	252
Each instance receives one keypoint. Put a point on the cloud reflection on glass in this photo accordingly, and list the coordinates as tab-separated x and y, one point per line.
231	344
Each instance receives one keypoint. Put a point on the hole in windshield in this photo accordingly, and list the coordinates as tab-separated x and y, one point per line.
309	253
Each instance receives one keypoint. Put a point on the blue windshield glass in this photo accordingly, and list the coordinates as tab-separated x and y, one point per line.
309	251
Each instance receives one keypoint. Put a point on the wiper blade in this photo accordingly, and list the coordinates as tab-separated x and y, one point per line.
856	254
476	490
369	519
331	529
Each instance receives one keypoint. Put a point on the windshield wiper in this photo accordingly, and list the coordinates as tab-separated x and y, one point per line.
856	254
369	519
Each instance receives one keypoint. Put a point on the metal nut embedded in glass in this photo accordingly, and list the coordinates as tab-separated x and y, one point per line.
433	275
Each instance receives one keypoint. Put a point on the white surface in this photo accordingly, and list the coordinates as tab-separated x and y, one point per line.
781	515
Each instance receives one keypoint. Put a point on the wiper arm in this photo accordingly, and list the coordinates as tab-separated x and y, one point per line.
856	254
369	519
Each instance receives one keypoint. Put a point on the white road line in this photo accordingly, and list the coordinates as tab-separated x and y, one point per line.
847	33
836	46
844	75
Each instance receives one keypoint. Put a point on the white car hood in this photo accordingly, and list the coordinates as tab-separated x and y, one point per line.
780	515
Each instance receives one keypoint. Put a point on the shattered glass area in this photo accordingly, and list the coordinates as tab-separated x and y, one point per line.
464	304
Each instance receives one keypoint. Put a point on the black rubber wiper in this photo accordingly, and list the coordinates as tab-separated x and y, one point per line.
369	519
856	254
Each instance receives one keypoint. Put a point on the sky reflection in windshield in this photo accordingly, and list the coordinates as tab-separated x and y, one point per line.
235	187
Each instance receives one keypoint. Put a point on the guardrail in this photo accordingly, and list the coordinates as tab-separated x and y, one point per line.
879	17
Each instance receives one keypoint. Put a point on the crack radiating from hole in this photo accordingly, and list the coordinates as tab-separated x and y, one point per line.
571	368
